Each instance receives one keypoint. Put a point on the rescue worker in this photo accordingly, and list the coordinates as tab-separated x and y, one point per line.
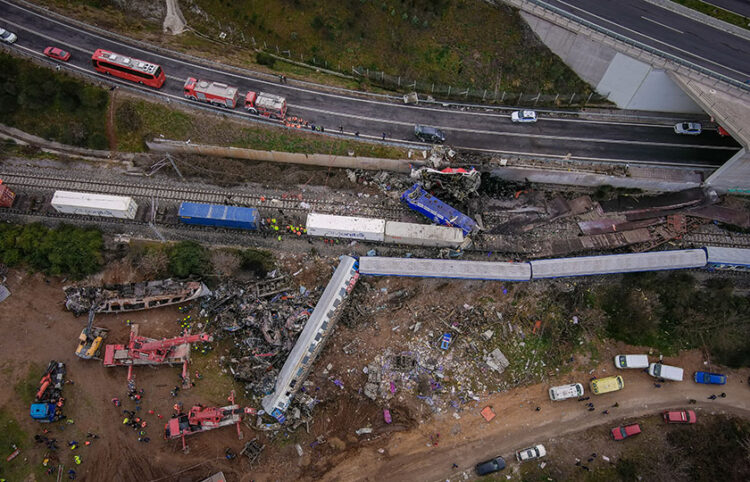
77	459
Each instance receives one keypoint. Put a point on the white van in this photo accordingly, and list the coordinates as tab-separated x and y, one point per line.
574	390
666	372
631	361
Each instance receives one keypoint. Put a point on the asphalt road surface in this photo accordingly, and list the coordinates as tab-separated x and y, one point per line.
740	7
555	134
670	32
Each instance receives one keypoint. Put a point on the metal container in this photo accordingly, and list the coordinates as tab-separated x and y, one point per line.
6	196
422	234
436	210
90	204
218	215
330	226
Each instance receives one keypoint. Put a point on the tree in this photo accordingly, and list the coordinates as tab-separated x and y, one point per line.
188	258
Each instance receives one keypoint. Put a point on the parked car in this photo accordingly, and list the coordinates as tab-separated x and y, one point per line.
7	37
624	431
56	53
573	390
688	128
710	378
606	385
493	465
631	361
523	116
668	372
535	452
679	416
429	134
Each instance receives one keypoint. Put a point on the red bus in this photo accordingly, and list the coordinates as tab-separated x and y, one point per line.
128	68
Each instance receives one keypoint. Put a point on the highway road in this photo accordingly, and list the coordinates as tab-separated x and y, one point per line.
740	7
667	31
556	134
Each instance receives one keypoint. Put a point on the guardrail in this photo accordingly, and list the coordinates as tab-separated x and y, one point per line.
524	5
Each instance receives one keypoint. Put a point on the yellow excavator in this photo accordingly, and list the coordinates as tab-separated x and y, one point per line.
91	337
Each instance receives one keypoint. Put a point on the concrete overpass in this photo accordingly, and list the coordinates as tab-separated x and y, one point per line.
638	70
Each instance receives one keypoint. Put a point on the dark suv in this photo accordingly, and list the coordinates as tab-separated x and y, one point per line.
493	465
429	134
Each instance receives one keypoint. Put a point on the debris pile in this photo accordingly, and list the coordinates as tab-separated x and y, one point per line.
264	320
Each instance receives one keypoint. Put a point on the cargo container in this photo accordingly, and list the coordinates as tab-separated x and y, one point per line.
423	234
90	204
436	210
6	196
218	215
327	225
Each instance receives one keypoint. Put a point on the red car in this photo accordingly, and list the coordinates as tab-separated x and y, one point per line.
679	416
625	431
56	53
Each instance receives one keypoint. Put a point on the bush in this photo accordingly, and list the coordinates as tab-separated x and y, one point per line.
265	59
65	250
188	258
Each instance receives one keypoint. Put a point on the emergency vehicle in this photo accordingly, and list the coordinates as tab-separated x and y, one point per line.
215	93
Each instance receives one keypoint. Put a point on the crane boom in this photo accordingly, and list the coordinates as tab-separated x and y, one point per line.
139	343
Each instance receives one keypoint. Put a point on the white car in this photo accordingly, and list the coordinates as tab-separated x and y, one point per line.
631	361
7	37
574	390
531	453
687	128
525	116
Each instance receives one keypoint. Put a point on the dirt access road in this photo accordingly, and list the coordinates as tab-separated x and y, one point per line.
411	455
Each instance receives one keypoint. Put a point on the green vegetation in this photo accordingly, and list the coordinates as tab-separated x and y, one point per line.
11	435
461	43
673	312
188	258
137	121
716	12
65	250
51	104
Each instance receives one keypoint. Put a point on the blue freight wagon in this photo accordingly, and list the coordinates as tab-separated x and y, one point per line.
218	215
424	203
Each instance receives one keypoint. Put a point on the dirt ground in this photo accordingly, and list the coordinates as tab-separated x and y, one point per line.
418	445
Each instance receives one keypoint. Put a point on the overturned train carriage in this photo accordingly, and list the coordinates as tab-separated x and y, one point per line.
313	337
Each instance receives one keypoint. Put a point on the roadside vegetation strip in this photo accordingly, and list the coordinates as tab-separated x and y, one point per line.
52	105
138	121
413	39
716	12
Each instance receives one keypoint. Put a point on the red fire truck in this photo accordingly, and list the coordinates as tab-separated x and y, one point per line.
268	105
215	93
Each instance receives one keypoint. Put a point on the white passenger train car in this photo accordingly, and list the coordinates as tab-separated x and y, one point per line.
91	204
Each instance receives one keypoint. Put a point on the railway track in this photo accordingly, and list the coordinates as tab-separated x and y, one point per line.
729	240
146	188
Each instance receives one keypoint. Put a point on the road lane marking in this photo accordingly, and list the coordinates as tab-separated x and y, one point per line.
661	24
744	74
316	92
409	124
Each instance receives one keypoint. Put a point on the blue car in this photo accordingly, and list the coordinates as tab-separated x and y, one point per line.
710	378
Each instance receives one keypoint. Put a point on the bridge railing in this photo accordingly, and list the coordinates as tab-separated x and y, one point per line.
632	42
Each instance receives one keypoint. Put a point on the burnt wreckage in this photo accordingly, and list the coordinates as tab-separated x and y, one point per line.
132	297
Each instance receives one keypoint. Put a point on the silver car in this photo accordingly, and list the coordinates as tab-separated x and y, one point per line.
523	116
688	128
7	37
